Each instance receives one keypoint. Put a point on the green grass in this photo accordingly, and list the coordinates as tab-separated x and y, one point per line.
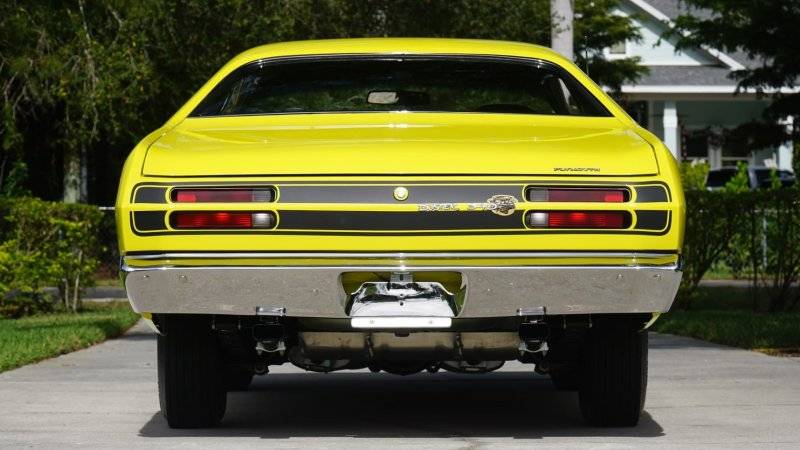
755	331
725	316
108	282
718	272
30	339
727	298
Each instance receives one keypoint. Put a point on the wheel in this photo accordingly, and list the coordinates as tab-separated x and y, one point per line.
565	380
238	379
191	386
613	379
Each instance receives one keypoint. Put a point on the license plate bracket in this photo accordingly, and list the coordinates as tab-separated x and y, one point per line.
404	304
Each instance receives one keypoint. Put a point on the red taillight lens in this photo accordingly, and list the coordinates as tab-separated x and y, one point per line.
221	195
579	219
577	195
221	220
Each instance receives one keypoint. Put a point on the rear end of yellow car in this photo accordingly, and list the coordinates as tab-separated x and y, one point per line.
281	217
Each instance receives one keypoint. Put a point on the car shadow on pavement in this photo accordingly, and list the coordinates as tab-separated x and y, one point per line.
364	405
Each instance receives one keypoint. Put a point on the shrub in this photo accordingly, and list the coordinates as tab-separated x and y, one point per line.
693	175
713	219
780	209
107	240
735	225
739	254
45	244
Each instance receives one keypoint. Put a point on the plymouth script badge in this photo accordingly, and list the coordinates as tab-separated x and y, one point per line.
502	205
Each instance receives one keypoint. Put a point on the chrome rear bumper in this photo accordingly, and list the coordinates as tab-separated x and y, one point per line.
316	291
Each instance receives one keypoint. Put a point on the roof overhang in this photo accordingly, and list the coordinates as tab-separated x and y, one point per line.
698	92
660	16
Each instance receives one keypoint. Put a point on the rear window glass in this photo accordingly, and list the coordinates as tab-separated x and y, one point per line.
425	84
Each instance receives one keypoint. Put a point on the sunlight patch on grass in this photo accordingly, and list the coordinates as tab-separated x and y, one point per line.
30	339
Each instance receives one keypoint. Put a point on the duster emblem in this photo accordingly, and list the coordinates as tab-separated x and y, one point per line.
504	204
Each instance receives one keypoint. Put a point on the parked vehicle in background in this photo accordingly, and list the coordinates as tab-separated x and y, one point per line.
402	205
758	177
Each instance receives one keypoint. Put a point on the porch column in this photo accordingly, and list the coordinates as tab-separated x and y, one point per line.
784	154
671	128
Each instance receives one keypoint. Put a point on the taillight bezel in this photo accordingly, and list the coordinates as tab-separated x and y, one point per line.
256	220
543	193
543	219
258	194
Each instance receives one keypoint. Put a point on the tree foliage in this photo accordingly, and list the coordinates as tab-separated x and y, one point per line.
45	244
596	29
74	75
764	30
83	80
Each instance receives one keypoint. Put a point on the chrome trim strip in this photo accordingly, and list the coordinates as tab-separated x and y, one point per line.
398	255
367	268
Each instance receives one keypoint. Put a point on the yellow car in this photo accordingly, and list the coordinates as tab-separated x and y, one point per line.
402	205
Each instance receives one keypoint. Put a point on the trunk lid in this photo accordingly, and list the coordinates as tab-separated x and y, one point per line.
400	144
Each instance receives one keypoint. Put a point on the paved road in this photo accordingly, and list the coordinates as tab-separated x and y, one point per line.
700	395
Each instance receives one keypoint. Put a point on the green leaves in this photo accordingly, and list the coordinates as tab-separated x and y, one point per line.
736	223
45	244
693	175
739	182
712	221
766	32
596	29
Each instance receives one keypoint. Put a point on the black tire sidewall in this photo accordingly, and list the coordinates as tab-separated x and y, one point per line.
191	381
613	380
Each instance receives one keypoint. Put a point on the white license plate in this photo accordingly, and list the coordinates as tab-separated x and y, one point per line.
401	322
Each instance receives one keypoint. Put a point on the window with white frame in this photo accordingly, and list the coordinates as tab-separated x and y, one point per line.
618	49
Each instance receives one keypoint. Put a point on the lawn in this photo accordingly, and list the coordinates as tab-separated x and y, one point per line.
30	339
725	316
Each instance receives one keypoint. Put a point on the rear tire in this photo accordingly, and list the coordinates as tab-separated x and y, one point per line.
613	382
190	378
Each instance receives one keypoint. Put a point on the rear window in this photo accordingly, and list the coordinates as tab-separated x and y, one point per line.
379	84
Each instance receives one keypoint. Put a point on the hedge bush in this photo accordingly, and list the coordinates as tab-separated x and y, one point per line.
712	221
45	244
759	229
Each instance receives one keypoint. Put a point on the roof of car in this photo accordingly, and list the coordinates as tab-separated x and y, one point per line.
399	46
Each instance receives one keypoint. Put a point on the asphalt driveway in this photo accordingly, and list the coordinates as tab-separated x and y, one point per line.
700	395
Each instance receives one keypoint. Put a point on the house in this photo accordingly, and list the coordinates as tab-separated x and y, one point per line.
688	97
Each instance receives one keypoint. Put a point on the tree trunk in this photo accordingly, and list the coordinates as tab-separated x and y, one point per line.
561	15
75	177
77	303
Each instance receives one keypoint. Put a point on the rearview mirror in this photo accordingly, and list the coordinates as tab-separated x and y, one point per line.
383	98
